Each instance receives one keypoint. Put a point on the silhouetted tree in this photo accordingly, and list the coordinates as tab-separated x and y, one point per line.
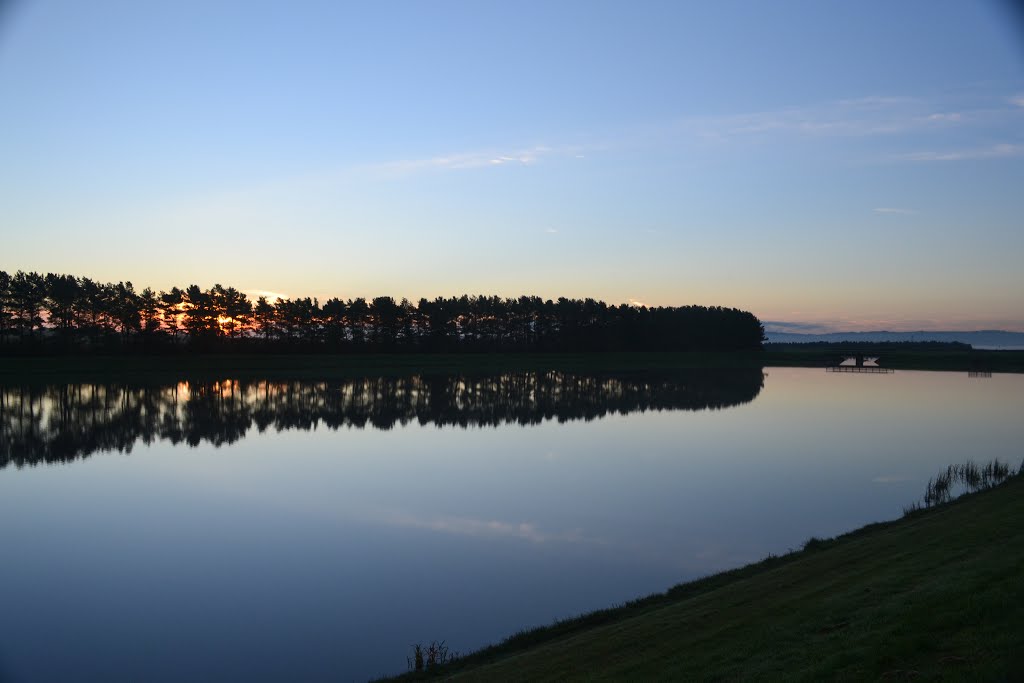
28	295
200	315
357	316
93	308
62	294
149	313
125	308
232	308
385	315
238	310
6	306
171	304
36	310
333	314
264	315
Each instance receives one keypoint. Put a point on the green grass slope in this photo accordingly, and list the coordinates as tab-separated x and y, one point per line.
938	595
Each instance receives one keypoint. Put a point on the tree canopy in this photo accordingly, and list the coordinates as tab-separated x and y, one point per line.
56	312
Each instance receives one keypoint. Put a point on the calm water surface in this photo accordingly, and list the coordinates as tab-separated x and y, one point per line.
269	531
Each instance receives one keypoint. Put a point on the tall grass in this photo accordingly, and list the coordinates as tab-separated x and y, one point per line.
426	657
966	477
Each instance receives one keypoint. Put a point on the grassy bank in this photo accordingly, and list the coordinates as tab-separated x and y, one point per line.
326	366
938	595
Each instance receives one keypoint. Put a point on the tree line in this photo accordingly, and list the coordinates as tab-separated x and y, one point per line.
61	423
55	312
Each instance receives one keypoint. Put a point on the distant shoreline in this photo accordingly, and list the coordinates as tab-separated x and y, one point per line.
937	356
1006	340
314	366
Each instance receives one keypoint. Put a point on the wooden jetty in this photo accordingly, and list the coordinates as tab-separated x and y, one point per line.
859	363
865	369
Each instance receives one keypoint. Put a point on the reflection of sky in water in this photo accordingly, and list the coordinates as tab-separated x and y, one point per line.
325	554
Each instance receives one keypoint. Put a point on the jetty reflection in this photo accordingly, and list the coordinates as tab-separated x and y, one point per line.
61	423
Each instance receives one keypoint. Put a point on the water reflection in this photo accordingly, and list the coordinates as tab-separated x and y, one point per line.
321	556
62	423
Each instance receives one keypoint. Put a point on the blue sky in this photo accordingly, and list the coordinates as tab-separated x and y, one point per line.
851	165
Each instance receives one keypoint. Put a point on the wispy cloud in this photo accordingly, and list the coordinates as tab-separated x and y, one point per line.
257	293
552	231
804	327
950	117
863	116
998	151
894	210
875	115
476	159
528	157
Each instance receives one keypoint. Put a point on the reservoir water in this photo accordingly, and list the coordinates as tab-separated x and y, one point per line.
266	530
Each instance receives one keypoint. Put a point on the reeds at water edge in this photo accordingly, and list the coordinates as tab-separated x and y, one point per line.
966	477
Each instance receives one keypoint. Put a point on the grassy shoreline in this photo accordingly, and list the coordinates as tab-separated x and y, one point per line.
323	366
936	595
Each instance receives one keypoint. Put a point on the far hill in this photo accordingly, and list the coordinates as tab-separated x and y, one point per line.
979	339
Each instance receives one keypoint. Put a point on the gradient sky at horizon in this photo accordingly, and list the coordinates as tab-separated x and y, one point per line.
849	165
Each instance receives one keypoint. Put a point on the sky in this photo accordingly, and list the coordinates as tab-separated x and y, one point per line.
844	166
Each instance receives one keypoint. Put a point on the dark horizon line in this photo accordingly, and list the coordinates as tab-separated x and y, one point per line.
768	330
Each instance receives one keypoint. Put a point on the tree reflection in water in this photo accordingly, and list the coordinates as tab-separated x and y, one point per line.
60	423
